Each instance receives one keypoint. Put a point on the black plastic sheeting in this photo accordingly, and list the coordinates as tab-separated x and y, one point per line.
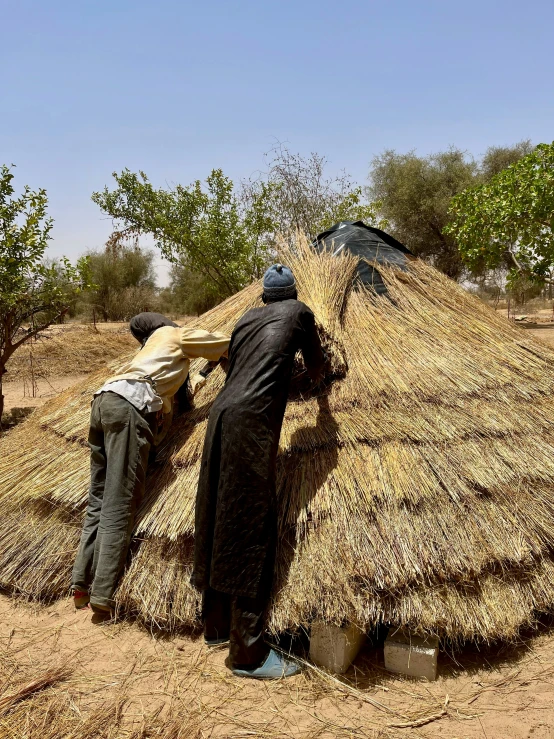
366	242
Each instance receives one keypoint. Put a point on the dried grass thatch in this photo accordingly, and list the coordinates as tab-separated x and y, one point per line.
71	349
418	489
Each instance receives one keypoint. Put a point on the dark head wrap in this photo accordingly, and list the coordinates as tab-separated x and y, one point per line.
143	326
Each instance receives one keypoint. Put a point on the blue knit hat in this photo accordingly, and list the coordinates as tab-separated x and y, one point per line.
279	282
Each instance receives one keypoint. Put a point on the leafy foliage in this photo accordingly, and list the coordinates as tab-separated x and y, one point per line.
188	293
33	294
497	158
510	219
206	228
124	280
219	237
415	194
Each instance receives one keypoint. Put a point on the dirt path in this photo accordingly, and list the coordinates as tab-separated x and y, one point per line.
501	693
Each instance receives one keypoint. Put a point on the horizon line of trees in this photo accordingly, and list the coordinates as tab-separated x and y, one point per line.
219	235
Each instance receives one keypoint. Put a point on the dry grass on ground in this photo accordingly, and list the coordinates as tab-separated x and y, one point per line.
72	349
61	677
60	357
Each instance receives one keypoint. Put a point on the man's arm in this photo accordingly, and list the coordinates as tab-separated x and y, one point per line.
195	343
312	351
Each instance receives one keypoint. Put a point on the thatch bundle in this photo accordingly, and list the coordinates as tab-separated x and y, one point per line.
418	489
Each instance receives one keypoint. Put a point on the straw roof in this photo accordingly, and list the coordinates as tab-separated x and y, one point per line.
417	489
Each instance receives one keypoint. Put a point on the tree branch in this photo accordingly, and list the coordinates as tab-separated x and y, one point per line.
514	260
37	330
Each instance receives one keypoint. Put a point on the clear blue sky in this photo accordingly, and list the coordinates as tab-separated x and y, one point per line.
176	88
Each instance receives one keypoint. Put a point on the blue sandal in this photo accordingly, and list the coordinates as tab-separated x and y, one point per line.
275	667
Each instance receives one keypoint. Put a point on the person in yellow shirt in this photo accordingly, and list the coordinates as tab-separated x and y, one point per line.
124	425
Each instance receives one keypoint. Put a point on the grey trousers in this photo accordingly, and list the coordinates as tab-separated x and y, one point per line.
119	440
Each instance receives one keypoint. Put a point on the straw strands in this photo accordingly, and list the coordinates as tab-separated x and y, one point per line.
416	488
68	349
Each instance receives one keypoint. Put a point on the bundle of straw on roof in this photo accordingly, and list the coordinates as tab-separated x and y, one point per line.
416	488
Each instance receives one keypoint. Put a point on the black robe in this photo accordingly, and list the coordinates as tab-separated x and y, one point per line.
236	511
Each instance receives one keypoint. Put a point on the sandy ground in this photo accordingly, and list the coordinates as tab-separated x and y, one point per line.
544	334
19	394
60	357
528	313
505	692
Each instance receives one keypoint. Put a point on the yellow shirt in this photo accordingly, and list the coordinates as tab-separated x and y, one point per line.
165	358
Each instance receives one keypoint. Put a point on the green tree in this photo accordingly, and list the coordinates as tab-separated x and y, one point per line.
207	228
124	280
510	220
497	158
188	293
32	294
415	194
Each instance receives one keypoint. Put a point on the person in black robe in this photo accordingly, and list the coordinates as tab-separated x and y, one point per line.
236	508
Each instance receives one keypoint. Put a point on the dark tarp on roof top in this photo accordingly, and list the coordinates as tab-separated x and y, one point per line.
366	242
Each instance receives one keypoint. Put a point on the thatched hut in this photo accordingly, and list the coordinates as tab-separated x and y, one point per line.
418	489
